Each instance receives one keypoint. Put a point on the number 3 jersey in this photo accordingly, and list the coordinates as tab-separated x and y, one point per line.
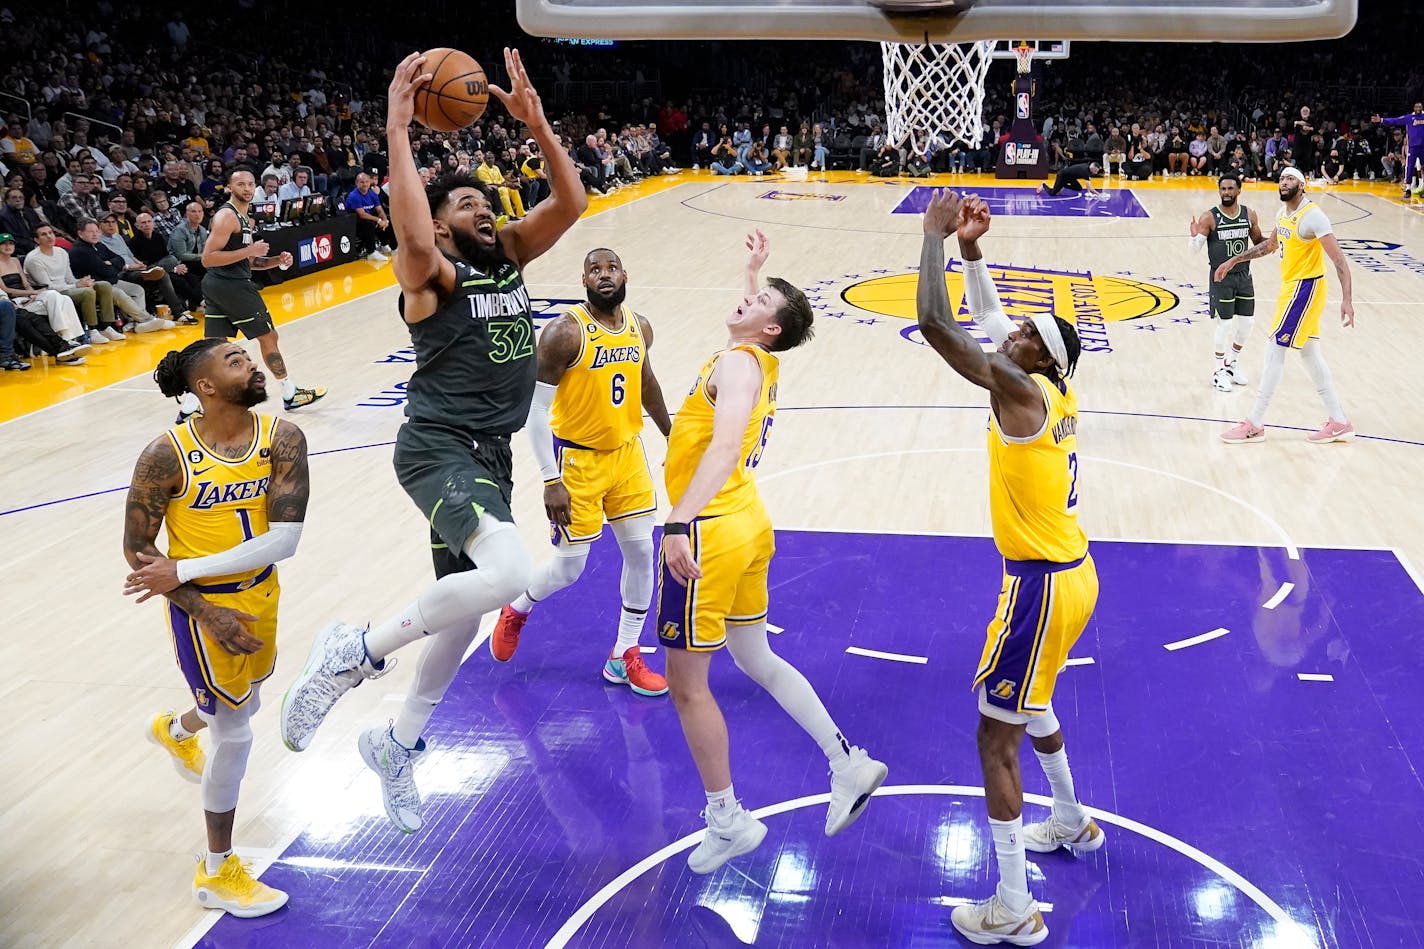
599	401
1033	483
474	356
692	433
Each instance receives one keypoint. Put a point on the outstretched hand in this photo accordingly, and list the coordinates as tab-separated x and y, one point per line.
521	101
974	218
1195	228
942	214
758	250
400	98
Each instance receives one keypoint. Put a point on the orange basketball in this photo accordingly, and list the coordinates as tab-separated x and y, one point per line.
455	95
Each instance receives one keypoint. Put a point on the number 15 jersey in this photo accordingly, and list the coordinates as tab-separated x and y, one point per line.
599	401
1033	483
692	433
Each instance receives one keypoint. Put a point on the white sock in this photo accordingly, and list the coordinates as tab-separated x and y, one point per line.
523	604
213	862
176	731
401	629
630	627
1066	809
837	751
721	806
1013	867
289	388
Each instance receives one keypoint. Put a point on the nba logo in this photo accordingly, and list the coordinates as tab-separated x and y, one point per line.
1022	98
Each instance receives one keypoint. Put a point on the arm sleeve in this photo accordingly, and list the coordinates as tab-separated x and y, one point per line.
541	437
1197	243
983	299
279	543
1314	224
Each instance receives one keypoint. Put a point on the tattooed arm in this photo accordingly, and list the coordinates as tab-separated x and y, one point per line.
157	477
287	492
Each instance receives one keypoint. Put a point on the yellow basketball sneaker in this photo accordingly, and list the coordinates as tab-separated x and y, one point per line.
187	755
234	890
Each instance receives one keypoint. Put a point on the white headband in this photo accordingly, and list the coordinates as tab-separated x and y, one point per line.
1052	338
1293	173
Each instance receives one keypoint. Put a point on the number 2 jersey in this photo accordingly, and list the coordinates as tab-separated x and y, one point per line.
474	356
1033	483
599	401
692	433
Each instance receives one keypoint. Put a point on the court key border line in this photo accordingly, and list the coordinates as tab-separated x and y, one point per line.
1292	932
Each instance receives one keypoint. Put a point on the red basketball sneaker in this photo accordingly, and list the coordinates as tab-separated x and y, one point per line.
506	634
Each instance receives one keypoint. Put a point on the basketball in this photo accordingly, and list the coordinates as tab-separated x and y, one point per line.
455	95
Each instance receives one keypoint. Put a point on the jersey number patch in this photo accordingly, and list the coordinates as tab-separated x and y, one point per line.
510	340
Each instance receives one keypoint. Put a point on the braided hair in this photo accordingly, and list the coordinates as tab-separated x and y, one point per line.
176	369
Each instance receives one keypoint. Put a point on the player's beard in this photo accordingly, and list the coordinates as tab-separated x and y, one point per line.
473	252
1228	201
1292	196
253	393
608	302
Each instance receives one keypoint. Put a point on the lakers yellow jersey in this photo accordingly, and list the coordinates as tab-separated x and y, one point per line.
599	401
1033	484
1301	258
692	433
224	500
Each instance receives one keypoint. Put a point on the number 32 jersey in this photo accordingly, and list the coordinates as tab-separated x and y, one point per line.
692	433
474	356
1033	483
599	401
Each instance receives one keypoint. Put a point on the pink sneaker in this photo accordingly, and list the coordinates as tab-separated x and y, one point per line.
1332	431
1244	433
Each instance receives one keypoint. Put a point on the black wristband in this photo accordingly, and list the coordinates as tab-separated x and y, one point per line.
677	527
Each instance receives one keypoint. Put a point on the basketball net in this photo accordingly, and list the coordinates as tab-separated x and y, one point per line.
1024	54
936	88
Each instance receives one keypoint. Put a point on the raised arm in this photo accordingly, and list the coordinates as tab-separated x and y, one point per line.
735	382
1256	235
653	402
547	222
1200	229
424	274
559	345
758	249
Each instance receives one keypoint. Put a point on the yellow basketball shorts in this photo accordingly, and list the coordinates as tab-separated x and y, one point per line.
1043	609
212	672
615	485
1298	312
734	552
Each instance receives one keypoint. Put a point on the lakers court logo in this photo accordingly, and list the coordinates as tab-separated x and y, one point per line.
1088	300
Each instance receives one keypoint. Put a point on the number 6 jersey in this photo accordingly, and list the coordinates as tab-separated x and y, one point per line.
599	401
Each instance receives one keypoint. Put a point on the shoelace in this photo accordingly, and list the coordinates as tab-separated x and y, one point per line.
238	875
635	664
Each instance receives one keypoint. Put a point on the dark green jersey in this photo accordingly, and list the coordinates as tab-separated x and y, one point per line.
474	357
240	239
1230	236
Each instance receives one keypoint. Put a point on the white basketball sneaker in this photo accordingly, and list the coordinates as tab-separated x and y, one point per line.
1222	379
851	788
1238	375
1047	836
337	663
742	833
990	923
394	764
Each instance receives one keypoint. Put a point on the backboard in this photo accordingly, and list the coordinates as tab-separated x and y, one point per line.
1235	21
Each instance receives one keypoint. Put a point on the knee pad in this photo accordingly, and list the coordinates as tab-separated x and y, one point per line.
635	542
565	567
230	731
1243	328
1041	726
752	652
499	557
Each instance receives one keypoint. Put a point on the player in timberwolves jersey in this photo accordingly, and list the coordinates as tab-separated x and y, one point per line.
1049	586
464	303
1226	230
717	546
1305	239
233	303
595	379
230	487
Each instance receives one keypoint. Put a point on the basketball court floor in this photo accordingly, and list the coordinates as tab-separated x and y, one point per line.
1240	713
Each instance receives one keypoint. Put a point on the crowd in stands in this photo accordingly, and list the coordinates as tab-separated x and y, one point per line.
121	133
